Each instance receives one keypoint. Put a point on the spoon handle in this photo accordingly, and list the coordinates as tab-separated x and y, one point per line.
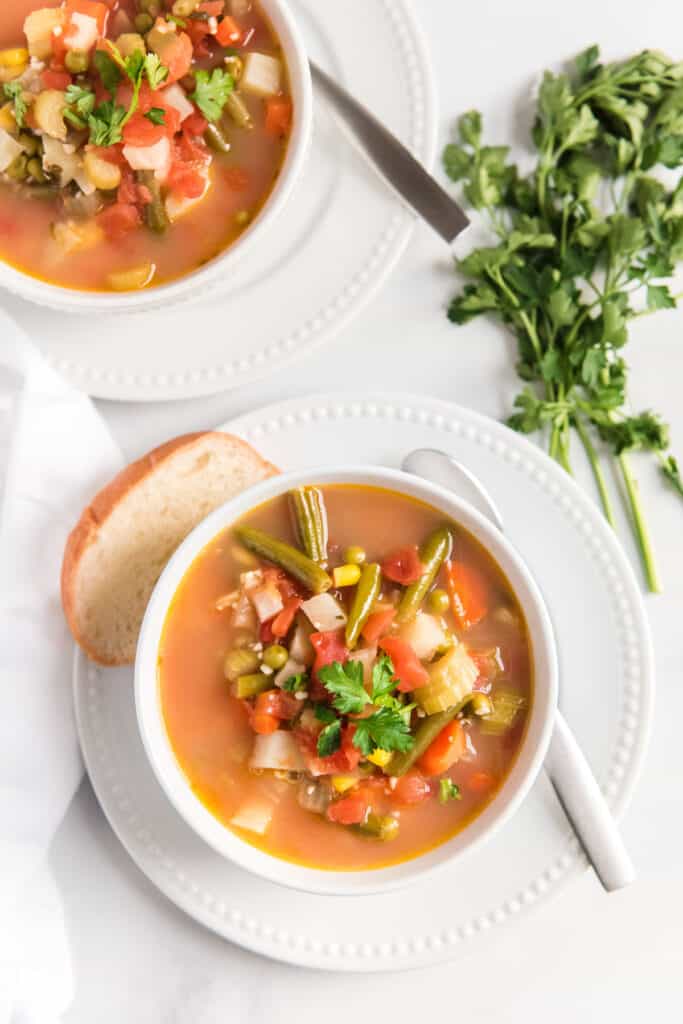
585	806
393	161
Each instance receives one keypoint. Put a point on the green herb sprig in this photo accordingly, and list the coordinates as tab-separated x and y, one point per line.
588	227
14	92
107	121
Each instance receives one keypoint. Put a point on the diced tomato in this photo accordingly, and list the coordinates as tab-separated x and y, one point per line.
481	782
277	703
114	154
130	191
412	788
191	150
54	78
176	54
236	178
468	593
214	8
91	9
350	810
407	666
118	219
377	625
403	565
445	750
140	131
278	115
282	623
187	181
195	124
228	33
343	760
58	50
198	31
264	724
329	647
265	633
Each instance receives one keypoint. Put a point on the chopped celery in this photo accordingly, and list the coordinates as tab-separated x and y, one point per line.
506	707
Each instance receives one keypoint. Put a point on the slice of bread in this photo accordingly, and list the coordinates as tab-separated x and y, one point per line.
116	552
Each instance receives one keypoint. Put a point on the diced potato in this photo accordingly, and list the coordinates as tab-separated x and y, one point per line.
278	751
7	119
325	612
132	280
129	42
49	113
101	173
255	817
301	648
77	236
38	29
17	57
425	634
174	96
83	32
267	600
10	149
262	75
155	158
451	680
289	669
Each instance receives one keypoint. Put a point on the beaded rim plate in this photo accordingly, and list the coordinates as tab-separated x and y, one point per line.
287	295
606	687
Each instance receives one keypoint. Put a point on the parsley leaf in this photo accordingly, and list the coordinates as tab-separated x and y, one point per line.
296	683
385	728
81	104
383	678
329	740
106	123
448	790
156	72
156	115
108	69
212	91
345	682
13	91
324	713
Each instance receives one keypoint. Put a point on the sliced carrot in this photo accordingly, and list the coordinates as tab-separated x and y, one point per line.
445	750
468	592
278	115
228	32
282	623
377	625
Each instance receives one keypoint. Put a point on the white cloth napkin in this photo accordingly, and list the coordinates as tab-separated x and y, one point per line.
54	451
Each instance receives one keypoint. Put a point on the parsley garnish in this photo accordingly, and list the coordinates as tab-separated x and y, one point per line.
156	72
13	91
383	678
324	713
212	91
590	212
345	682
81	104
296	683
386	729
156	115
107	121
108	69
329	739
448	790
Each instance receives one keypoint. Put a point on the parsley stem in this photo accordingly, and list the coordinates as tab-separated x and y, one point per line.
639	527
598	475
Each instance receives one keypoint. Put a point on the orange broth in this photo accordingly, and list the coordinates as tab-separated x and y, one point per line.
209	729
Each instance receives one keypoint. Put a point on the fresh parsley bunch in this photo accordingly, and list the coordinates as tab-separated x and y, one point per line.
587	228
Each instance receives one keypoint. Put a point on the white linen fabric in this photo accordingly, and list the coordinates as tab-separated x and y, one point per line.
54	452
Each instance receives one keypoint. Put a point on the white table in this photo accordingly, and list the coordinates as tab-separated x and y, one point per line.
586	956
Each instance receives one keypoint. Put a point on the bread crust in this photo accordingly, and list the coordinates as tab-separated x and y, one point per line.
101	507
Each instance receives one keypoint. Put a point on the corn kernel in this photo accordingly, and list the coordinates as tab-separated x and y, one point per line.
7	119
343	783
380	757
346	575
15	58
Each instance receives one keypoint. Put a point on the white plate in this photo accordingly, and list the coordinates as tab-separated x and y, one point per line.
606	688
330	249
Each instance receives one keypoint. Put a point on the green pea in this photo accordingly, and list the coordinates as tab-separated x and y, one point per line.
18	169
35	169
240	663
275	656
29	143
143	22
354	556
479	704
150	7
77	61
438	602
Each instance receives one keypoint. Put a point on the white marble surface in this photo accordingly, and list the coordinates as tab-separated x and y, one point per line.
586	956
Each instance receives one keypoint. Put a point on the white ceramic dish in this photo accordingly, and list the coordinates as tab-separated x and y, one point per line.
606	694
198	283
349	883
339	206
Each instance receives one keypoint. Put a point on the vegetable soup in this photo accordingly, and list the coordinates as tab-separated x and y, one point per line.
345	677
138	138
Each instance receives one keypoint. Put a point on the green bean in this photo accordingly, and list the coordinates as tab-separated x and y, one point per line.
367	592
354	555
35	170
18	169
438	601
426	732
380	826
286	557
29	143
234	65
433	554
155	211
238	110
252	685
215	138
275	656
240	663
77	61
310	520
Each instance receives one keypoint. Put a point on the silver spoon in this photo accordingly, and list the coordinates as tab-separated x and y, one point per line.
393	161
566	765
